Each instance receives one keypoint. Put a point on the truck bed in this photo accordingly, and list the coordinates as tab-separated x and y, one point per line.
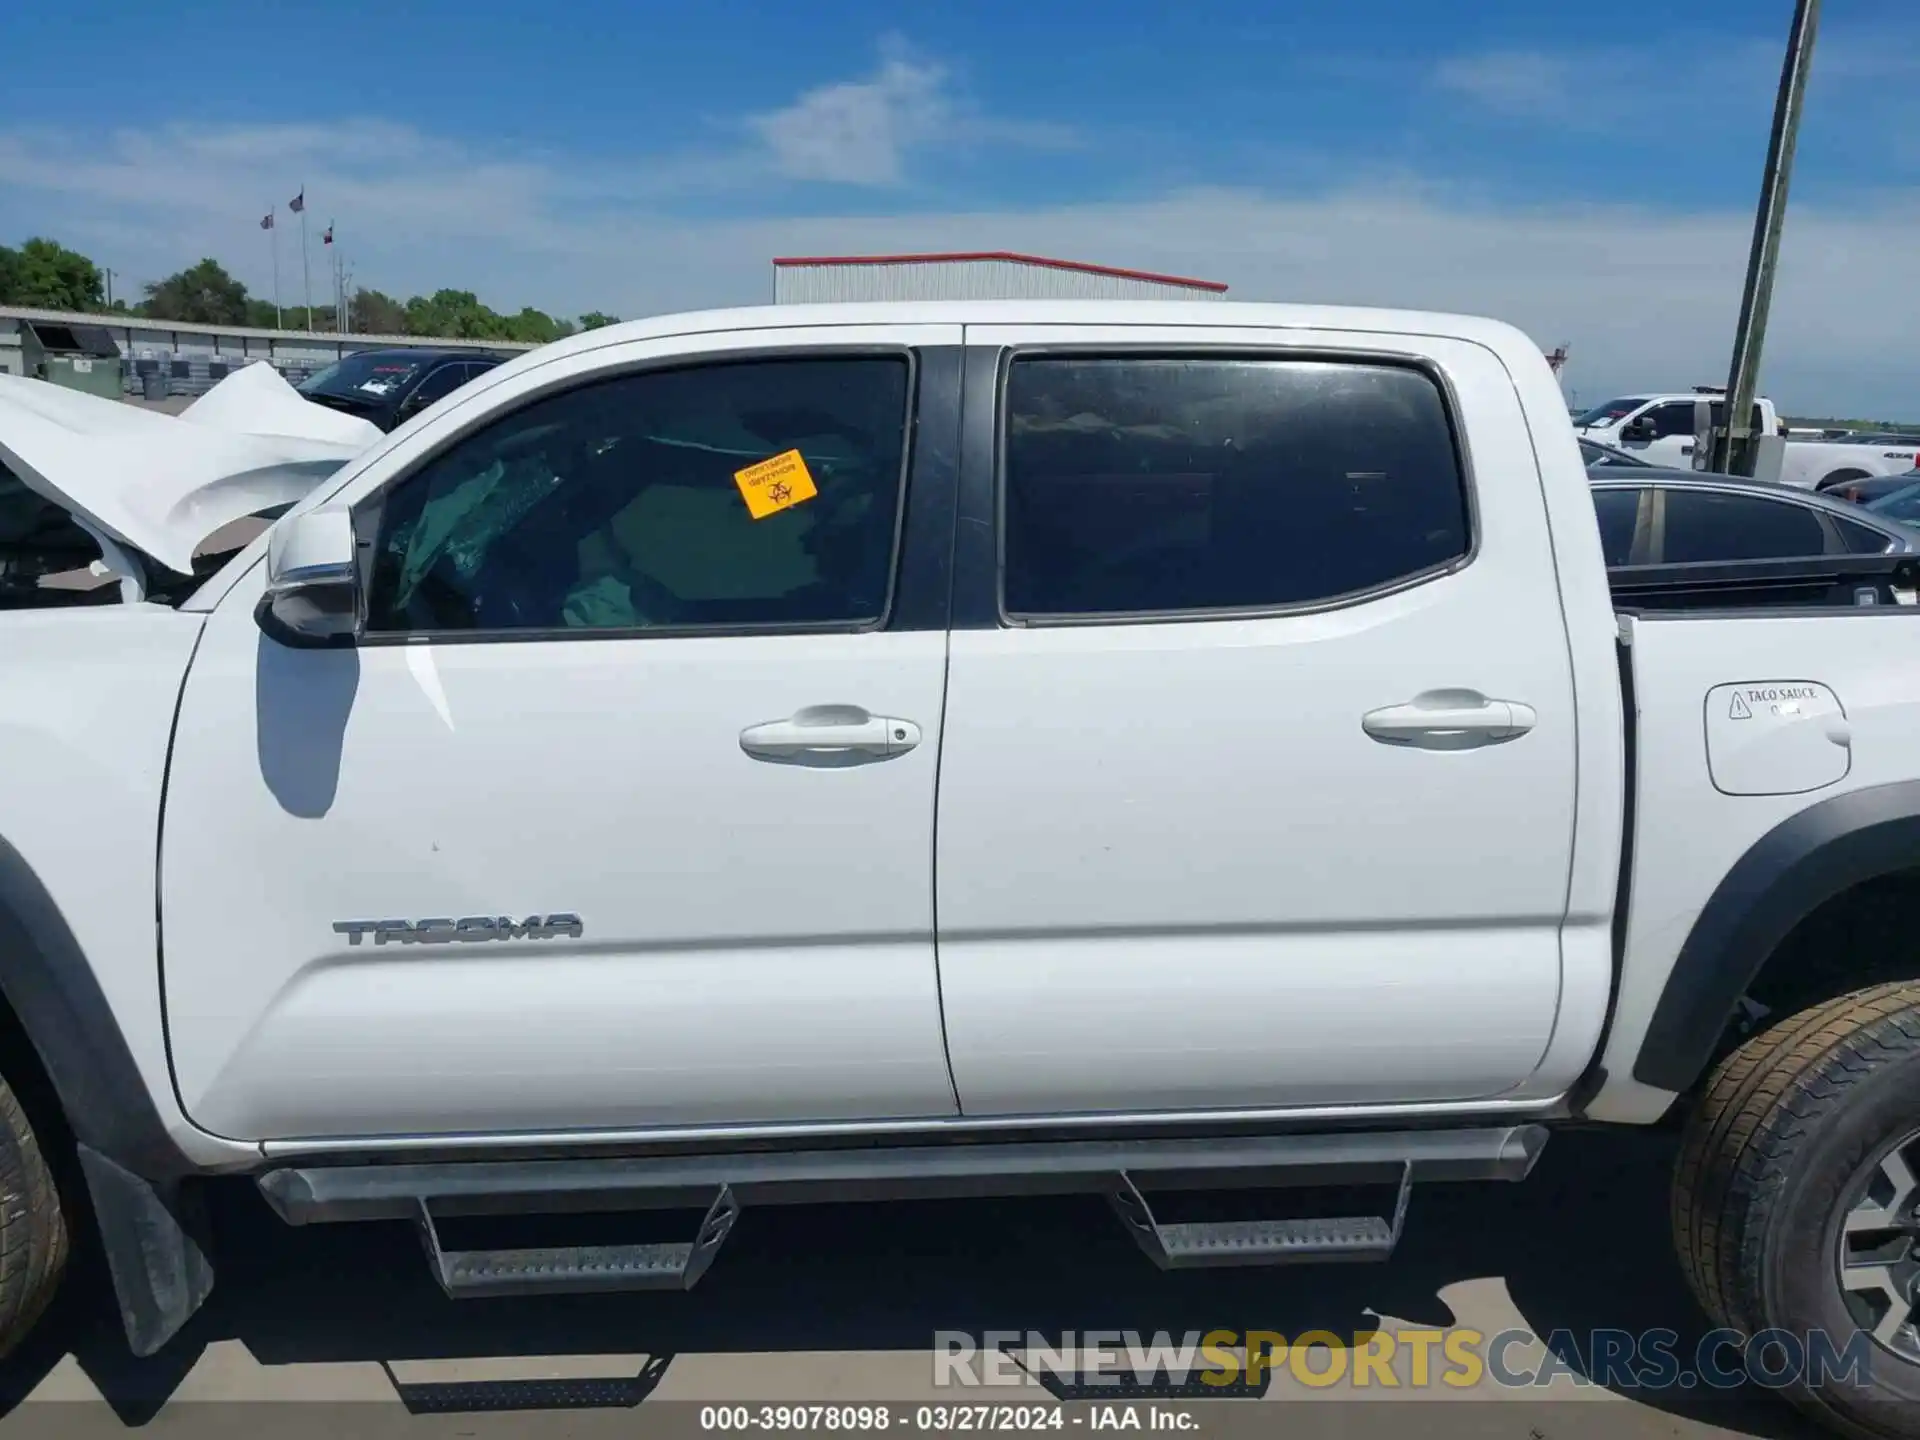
1739	719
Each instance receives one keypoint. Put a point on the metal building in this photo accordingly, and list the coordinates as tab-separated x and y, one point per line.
192	357
981	275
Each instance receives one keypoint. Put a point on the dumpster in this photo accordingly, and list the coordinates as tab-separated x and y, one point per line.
79	357
90	373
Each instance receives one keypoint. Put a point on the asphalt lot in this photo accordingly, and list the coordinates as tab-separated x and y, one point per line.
341	1327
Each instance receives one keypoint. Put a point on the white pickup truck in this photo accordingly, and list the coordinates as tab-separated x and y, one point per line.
1660	429
862	751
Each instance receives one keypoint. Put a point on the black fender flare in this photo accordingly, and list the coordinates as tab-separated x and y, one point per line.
1787	874
54	992
152	1229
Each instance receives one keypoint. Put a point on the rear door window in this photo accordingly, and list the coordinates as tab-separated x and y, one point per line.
1186	485
1701	526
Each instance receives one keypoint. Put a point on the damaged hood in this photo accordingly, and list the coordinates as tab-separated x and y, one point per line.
160	484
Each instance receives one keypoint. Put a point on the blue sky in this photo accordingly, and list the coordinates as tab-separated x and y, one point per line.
1586	172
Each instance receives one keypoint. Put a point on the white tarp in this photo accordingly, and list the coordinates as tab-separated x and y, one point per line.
163	483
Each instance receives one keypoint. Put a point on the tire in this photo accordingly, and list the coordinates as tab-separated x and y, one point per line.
33	1229
1798	1130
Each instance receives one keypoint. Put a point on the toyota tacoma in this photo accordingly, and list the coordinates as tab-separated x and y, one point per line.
868	751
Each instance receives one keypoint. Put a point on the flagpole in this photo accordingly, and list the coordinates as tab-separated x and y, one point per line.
279	321
306	273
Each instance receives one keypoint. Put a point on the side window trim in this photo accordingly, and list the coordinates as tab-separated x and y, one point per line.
1010	355
368	512
1643	528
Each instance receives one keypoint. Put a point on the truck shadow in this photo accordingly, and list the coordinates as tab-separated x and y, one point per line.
1582	1246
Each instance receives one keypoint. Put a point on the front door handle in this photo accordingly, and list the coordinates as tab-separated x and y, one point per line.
1450	720
830	736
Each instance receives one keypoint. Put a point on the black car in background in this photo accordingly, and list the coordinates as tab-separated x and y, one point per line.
390	387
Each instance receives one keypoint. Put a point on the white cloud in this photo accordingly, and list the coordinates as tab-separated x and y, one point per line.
864	132
858	132
1644	297
1524	83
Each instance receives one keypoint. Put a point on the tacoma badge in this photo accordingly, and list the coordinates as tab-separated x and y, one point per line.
473	927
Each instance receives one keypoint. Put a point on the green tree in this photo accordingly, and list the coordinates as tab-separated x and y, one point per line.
376	314
455	314
597	319
45	274
204	293
535	327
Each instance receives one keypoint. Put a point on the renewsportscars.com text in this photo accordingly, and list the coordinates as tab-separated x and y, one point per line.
1459	1359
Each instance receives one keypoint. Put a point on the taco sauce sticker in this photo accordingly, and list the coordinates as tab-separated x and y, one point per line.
775	485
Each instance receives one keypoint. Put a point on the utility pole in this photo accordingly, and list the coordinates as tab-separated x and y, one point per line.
1733	440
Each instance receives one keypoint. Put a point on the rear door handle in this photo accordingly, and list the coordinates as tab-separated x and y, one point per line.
1450	720
830	736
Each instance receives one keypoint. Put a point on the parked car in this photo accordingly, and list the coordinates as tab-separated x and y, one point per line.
1659	428
1877	487
1678	517
390	387
1300	805
1899	503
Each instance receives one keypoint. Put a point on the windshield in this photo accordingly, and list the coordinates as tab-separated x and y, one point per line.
1605	457
371	378
1611	411
1902	505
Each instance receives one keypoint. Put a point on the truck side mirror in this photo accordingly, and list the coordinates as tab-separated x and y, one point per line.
312	599
1639	429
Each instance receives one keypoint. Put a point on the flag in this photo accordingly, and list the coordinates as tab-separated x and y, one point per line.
327	239
299	202
266	221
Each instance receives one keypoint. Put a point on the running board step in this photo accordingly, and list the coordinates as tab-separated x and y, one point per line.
432	1193
579	1269
1193	1245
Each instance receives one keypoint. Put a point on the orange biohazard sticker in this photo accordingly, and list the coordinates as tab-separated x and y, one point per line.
775	485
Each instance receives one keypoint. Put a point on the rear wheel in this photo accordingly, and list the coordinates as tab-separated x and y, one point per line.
1796	1205
33	1231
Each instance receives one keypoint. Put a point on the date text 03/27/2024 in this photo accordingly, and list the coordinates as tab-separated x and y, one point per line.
942	1419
